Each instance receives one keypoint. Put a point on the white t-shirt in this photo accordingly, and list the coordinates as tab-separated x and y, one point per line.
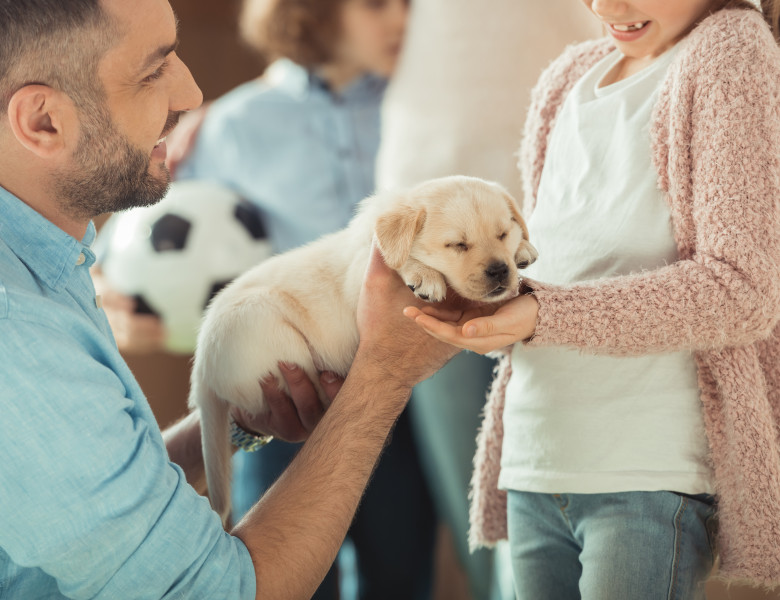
584	423
455	104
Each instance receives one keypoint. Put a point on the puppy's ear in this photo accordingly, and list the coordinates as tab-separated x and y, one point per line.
395	232
526	253
515	210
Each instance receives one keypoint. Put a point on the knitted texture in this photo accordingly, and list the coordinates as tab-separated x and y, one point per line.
716	148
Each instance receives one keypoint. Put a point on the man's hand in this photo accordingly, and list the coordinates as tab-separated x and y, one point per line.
482	329
290	418
390	343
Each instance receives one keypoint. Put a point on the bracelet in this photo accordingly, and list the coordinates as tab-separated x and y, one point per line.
246	440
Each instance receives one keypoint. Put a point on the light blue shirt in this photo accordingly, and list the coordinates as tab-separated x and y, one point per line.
304	155
90	505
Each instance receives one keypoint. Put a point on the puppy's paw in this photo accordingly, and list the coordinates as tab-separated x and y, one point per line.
426	283
526	255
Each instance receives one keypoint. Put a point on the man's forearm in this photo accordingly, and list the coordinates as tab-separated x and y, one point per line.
183	442
294	532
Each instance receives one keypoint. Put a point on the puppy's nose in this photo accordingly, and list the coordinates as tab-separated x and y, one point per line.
497	271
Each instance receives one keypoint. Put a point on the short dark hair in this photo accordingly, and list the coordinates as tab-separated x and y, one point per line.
57	43
305	31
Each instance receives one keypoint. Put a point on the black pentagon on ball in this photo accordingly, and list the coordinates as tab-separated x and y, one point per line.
215	289
249	216
170	232
142	307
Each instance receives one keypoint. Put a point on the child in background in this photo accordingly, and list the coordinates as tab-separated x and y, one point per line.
640	399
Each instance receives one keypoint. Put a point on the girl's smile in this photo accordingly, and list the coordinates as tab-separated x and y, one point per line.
628	32
645	29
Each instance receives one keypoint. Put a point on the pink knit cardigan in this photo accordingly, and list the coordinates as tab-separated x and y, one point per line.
716	149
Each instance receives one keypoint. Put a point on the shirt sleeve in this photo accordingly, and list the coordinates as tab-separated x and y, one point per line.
87	491
215	152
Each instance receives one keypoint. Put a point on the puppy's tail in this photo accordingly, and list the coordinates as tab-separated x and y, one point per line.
215	437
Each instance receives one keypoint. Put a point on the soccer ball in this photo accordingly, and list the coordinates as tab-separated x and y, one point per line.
173	257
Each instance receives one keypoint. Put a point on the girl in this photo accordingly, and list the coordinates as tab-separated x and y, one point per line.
643	395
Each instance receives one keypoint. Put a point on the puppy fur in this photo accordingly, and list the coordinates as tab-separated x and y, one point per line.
300	306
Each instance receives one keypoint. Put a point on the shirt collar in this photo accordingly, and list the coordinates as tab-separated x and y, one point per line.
51	254
293	78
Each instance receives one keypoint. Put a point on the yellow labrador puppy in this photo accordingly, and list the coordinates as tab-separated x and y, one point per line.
300	306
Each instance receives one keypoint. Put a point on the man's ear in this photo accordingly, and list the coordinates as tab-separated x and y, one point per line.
41	118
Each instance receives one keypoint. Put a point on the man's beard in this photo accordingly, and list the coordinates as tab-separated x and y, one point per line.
109	174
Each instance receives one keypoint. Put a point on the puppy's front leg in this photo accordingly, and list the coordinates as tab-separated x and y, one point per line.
426	283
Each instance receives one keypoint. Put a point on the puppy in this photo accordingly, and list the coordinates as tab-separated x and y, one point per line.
300	306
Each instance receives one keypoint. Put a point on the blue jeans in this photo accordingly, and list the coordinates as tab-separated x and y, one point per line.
631	545
446	411
393	532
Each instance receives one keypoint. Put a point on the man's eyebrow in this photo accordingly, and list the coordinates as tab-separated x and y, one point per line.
160	53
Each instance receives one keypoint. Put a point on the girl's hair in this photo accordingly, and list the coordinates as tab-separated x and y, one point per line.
305	31
771	10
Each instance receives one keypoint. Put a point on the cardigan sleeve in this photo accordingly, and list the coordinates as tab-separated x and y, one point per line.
725	194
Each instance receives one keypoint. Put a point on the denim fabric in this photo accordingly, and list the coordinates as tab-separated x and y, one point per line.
637	545
393	532
446	411
90	505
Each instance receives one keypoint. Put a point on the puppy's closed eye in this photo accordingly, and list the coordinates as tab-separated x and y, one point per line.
459	246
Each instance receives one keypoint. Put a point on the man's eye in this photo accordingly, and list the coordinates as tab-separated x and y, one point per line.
157	74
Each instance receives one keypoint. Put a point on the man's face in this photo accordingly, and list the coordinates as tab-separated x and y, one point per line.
120	159
108	173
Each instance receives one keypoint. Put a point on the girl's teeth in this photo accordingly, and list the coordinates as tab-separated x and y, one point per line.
632	27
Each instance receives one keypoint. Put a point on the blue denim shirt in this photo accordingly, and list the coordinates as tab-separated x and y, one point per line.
90	505
303	154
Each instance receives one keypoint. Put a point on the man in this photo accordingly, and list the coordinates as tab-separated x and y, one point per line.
92	506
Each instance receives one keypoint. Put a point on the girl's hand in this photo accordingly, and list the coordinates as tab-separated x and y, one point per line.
181	140
483	329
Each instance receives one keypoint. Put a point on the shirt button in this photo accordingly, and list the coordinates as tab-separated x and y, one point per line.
81	260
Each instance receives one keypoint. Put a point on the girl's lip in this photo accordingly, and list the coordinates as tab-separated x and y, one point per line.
627	36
